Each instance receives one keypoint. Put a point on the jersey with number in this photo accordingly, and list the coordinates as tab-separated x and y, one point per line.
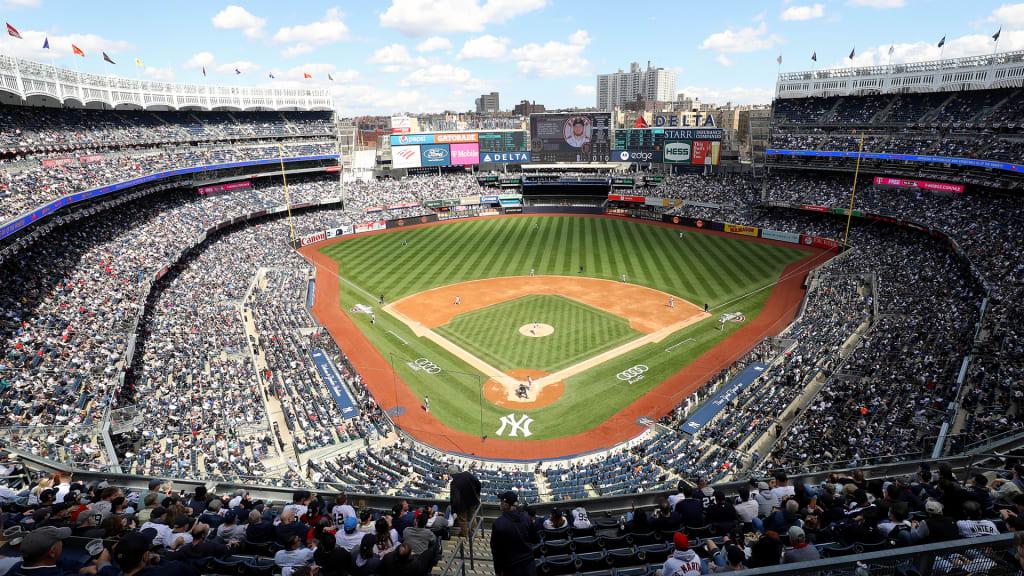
342	511
580	518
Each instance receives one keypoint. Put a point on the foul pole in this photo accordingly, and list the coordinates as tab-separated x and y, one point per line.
853	194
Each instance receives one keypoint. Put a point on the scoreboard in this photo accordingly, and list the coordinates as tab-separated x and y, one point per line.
507	141
639	139
581	137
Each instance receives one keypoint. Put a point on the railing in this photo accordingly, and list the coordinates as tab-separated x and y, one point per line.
476	526
457	563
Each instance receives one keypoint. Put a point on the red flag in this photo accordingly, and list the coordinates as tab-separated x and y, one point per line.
204	71
77	50
12	31
306	75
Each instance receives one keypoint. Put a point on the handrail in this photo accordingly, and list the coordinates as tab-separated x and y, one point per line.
459	555
478	520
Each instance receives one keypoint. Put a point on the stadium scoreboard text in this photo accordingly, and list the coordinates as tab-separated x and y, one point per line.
669	145
431	150
492	142
584	137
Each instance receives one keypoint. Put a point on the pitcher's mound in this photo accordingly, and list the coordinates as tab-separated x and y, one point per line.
506	397
541	330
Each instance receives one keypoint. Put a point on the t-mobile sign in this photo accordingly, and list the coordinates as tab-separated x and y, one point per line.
465	154
901	183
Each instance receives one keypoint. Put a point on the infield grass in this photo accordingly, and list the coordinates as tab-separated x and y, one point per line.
581	332
699	268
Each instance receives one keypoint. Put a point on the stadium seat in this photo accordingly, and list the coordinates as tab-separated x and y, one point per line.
231	566
578	532
836	550
623	556
645	570
559	564
698	531
654	552
610	542
585	544
591	561
607	572
555	547
605	524
641	538
260	548
555	534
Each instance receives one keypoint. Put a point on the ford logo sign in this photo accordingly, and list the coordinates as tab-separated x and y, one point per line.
435	154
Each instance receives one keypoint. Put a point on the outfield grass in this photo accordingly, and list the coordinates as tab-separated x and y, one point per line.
581	332
700	268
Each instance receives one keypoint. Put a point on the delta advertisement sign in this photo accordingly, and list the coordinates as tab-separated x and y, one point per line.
922	184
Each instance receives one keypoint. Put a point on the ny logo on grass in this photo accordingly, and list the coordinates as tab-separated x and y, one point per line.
522	425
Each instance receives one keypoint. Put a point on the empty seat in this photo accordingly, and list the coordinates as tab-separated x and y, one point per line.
591	561
584	544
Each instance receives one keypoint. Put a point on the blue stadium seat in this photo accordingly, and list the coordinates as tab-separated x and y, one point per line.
584	544
555	547
623	556
560	564
610	542
591	561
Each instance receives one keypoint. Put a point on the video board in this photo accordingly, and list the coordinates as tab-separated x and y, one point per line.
507	141
582	137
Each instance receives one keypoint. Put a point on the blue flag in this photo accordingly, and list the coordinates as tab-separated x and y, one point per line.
46	43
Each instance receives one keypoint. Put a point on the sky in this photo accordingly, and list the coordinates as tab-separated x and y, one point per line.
393	56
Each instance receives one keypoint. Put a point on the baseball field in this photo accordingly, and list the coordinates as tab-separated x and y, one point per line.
539	328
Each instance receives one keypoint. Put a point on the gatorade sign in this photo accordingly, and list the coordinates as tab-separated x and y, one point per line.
678	151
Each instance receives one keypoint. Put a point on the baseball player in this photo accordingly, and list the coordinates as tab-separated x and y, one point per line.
531	272
458	300
373	318
534	329
680	235
623	277
671	302
426	403
705	307
534	225
529	382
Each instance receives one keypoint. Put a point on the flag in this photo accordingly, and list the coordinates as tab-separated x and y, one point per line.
994	36
852	53
107	58
306	75
942	42
814	57
77	50
46	43
12	31
779	59
138	62
892	48
271	75
204	71
237	71
329	78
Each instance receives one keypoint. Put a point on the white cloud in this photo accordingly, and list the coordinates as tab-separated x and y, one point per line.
799	13
437	74
330	30
737	95
584	89
243	66
433	44
1009	15
199	60
487	47
395	58
31	45
160	74
416	18
357	99
554	59
878	3
970	45
747	39
725	60
319	72
760	16
19	4
238	18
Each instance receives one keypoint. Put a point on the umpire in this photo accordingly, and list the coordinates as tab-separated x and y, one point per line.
511	538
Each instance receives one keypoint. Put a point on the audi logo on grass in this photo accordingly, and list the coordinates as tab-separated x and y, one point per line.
426	365
634	374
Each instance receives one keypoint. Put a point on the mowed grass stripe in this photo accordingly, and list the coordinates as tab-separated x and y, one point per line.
640	239
507	238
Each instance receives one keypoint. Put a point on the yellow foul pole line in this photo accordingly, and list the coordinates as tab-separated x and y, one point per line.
853	194
287	197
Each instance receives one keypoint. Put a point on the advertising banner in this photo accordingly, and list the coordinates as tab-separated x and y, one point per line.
820	242
904	157
722	397
433	203
455	138
372	209
403	205
489	199
224	187
743	230
716	153
54	162
369	226
332	379
405	157
923	184
403	222
693	134
411	139
88	159
435	155
780	236
814	208
701	152
637	156
465	154
313	238
504	157
678	151
332	169
469	200
509	201
401	124
624	198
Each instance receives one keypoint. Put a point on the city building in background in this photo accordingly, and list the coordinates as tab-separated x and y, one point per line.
488	103
621	88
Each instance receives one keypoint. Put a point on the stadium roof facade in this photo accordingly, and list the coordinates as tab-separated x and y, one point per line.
26	82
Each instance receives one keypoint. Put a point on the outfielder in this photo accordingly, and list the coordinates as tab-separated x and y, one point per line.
531	272
426	403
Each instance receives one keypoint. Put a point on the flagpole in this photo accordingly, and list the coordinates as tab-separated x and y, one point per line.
998	34
890	52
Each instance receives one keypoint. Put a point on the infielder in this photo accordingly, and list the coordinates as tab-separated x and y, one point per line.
534	331
458	300
426	403
671	302
373	318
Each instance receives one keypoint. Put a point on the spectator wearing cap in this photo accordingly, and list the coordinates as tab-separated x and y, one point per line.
230	529
403	562
766	500
690	508
936	527
978	491
349	538
157	522
511	538
41	553
10	551
199	500
683	562
665	518
974	526
59	517
237	497
722	514
289	525
464	496
676	498
181	533
300	503
801	551
779	521
366	561
705	493
294	554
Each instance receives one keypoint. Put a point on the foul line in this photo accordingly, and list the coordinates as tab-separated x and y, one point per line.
399	337
669	349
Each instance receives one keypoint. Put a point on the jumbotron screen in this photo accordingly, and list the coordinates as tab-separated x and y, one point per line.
584	137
